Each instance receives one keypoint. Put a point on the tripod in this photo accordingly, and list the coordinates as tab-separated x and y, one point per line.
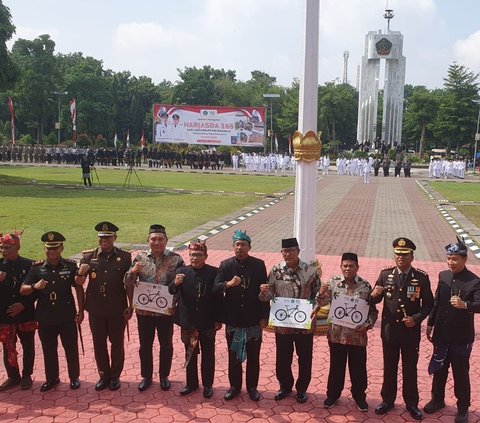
96	175
131	170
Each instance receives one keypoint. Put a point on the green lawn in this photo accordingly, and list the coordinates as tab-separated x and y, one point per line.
457	193
74	211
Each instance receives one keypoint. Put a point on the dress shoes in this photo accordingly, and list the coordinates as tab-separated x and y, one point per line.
186	390
253	394
415	412
9	384
144	384
231	394
432	406
164	384
114	384
329	402
26	382
75	383
207	392
362	405
301	397
49	385
461	417
383	408
281	394
101	385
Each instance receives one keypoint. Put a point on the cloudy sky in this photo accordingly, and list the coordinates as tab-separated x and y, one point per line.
156	37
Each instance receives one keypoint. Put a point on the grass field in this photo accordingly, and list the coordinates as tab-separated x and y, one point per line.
74	211
460	193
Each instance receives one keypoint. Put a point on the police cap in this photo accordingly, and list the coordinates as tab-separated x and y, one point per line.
106	229
403	245
52	239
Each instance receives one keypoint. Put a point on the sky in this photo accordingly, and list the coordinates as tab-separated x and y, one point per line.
157	37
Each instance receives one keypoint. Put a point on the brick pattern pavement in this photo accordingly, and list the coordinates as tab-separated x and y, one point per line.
350	215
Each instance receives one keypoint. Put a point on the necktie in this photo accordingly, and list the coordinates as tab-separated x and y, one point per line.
403	278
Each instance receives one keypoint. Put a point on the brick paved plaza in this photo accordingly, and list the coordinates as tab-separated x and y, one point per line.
351	216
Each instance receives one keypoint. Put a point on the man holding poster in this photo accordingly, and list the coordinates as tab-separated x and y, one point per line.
155	266
292	278
347	337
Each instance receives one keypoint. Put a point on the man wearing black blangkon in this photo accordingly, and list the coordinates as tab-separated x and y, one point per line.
452	321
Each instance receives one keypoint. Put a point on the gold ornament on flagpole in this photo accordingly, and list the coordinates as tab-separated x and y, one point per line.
307	147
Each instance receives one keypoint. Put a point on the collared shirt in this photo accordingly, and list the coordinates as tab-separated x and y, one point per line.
155	270
302	282
361	289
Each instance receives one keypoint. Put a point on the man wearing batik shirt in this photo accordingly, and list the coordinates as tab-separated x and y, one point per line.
239	279
16	313
292	278
348	343
157	266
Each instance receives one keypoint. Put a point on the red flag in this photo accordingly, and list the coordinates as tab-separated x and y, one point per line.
12	119
142	140
73	114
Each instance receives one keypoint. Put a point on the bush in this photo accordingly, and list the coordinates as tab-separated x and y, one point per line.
27	139
83	140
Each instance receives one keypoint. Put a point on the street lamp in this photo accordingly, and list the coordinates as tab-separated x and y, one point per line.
477	138
59	95
271	97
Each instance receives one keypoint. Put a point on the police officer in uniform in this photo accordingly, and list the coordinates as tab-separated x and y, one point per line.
408	300
51	280
106	303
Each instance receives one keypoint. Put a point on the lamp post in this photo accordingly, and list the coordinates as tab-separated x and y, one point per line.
59	95
477	138
271	97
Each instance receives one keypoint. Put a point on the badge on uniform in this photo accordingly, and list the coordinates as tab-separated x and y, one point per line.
413	292
93	275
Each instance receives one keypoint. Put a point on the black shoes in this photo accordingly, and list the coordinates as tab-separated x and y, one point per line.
432	406
362	405
101	385
9	384
329	402
26	382
461	417
187	390
144	384
207	392
164	384
282	393
414	412
383	408
302	397
75	383
114	384
253	394
231	394
49	385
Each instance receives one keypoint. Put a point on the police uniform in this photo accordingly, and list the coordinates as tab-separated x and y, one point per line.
407	294
56	312
106	303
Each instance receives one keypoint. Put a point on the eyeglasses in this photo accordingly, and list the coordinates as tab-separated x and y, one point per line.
289	250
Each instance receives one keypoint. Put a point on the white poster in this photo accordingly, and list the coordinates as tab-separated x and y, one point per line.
290	313
152	297
348	311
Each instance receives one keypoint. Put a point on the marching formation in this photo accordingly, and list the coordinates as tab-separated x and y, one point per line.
241	296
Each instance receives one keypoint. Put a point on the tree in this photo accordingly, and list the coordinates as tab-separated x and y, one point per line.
8	70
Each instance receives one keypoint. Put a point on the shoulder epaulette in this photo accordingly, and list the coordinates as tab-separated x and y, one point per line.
421	271
389	268
70	260
38	262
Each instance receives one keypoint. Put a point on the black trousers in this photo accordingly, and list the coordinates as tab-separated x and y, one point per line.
391	356
49	338
461	380
113	329
253	364
163	325
27	339
303	345
206	344
357	367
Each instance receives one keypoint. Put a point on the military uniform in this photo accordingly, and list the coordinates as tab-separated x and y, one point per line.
106	302
413	297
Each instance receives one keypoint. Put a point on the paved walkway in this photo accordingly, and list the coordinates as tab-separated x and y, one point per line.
352	216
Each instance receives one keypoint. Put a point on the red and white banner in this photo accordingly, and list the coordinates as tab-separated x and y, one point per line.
209	125
12	119
73	114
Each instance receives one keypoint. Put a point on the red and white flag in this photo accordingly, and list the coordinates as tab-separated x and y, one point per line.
73	114
143	143
12	119
128	138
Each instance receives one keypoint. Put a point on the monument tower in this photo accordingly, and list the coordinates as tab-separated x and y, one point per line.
388	46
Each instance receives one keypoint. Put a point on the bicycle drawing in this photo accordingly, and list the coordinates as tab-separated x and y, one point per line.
298	315
150	297
348	311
